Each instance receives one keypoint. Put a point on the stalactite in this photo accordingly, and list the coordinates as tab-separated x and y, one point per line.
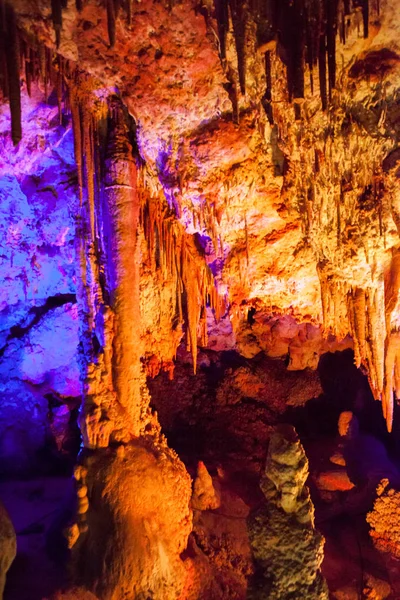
3	56
306	31
117	6
42	66
331	29
392	287
360	325
29	75
59	86
56	15
88	160
239	27
222	16
76	124
129	12
396	377
290	20
111	22
12	54
365	14
267	99
392	354
181	261
79	5
310	47
322	70
377	335
192	301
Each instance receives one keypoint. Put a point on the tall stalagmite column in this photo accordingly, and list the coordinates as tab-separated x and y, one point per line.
133	492
120	222
115	397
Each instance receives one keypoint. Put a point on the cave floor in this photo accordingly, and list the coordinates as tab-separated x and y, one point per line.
36	504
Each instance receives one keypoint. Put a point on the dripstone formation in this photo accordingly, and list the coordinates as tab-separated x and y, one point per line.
287	549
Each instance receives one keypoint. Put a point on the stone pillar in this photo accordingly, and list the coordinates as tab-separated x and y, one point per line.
287	549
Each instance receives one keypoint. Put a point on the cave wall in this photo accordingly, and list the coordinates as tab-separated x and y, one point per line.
39	326
275	196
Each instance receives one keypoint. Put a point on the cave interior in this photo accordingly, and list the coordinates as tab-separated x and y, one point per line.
199	299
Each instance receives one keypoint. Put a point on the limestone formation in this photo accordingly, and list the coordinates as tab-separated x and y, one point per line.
128	477
8	546
287	549
205	496
171	170
74	594
138	523
384	517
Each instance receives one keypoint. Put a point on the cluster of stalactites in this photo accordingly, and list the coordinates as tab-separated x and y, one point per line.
18	57
174	253
112	6
366	313
305	31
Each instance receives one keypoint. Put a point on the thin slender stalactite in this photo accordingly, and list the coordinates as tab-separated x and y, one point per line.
56	16
238	14
111	22
12	53
331	11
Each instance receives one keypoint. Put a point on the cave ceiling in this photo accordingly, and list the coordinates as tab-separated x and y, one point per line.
267	139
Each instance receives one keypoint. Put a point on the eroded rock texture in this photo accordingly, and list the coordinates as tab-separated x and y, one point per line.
39	321
241	169
287	550
8	545
276	191
221	175
383	519
137	525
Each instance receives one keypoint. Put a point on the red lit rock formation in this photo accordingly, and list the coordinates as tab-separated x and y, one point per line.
236	188
205	496
278	192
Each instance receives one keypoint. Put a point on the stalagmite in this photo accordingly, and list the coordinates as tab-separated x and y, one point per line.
283	526
144	488
205	496
121	220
